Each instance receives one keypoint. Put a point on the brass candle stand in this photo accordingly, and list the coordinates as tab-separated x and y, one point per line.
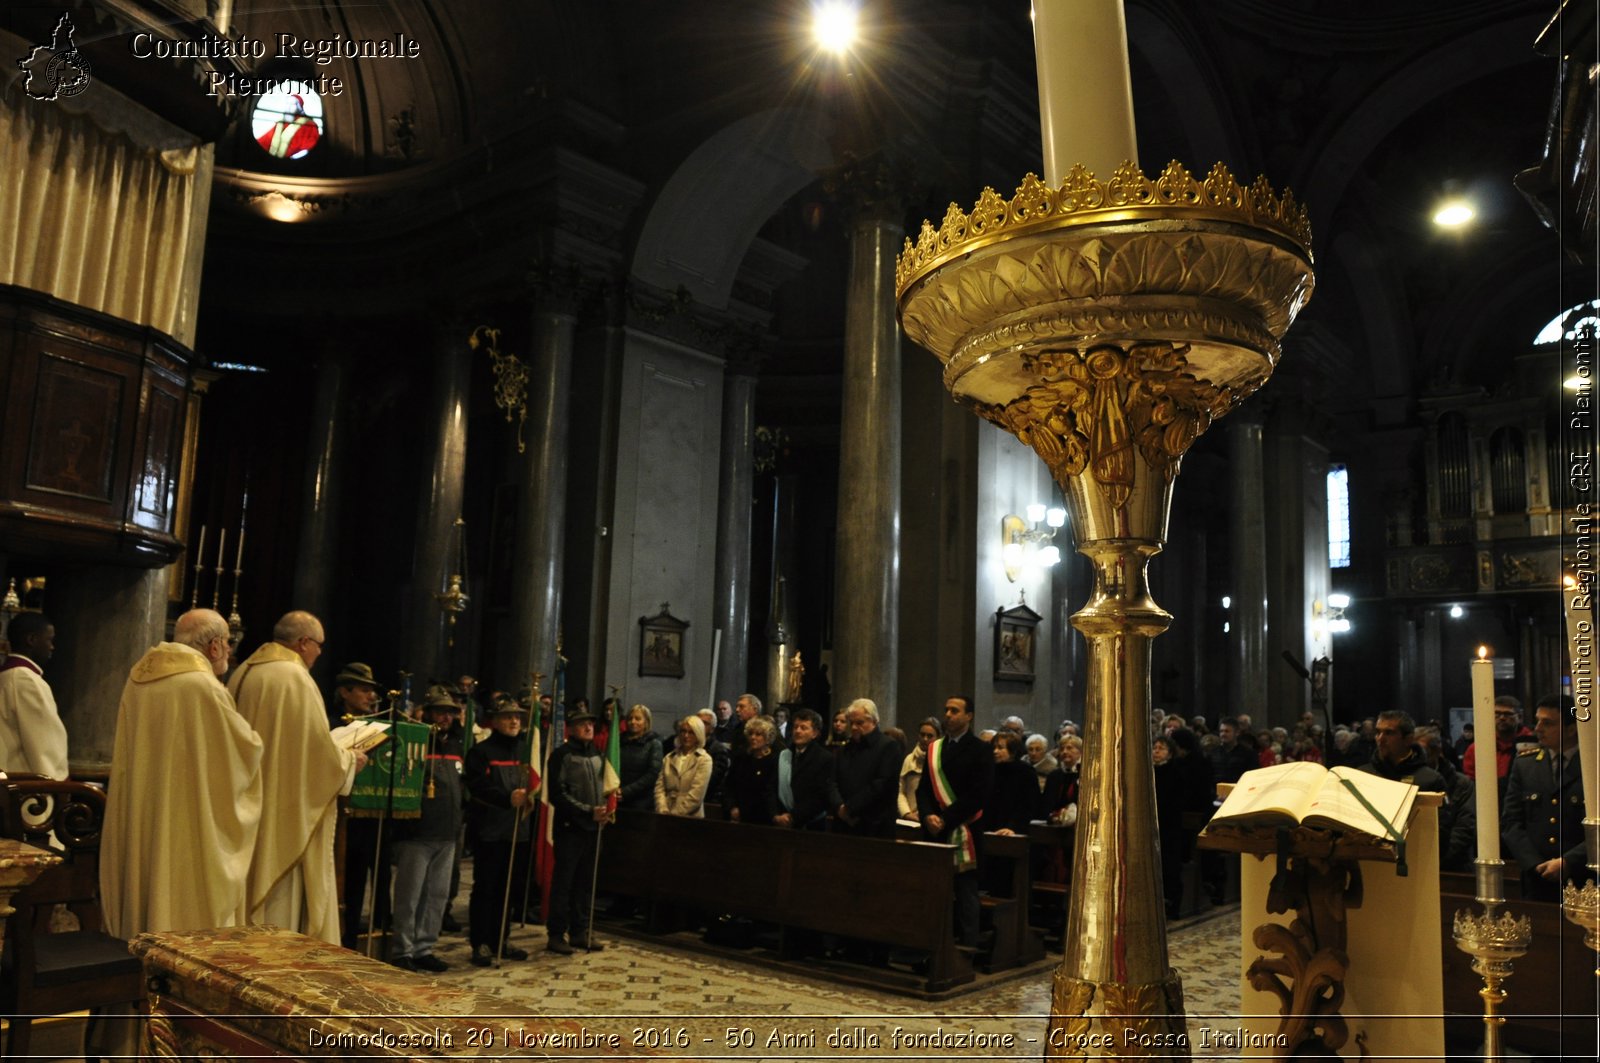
1492	943
1106	324
1582	905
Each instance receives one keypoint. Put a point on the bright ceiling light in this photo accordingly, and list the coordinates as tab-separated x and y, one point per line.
1339	601
1454	214
834	25
1456	612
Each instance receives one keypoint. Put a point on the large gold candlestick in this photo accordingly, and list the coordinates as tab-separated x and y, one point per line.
1106	324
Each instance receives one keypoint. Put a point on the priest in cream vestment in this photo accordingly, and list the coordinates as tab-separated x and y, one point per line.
303	773
185	793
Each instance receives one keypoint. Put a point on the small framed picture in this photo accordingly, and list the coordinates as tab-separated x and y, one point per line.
661	644
1015	633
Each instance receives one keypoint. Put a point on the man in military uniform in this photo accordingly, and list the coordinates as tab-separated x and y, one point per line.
1542	819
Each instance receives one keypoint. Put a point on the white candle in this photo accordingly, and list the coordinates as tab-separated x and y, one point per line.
1581	659
1486	765
1085	92
238	558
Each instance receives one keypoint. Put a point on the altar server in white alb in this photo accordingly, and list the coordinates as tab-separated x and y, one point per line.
185	794
303	773
32	738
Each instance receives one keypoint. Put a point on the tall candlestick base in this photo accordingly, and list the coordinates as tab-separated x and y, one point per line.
1492	943
1581	906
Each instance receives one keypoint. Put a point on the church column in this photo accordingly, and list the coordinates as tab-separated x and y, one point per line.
435	552
317	556
867	584
538	554
106	617
1247	679
731	595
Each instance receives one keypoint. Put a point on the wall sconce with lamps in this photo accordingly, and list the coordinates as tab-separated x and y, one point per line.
1023	547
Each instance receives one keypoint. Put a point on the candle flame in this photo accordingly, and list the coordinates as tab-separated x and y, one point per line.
1569	581
1483	651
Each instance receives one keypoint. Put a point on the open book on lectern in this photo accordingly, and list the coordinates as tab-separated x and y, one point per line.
1306	793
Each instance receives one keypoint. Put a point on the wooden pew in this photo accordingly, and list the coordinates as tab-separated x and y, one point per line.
1015	941
890	893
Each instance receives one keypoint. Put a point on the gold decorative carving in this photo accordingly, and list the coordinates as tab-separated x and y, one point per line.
510	378
160	1040
1091	409
1127	193
1116	1019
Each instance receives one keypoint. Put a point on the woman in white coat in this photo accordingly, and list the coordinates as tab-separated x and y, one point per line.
685	772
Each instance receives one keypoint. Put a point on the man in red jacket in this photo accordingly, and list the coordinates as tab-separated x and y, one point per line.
1509	733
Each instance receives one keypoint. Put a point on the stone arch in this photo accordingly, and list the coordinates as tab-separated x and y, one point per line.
715	203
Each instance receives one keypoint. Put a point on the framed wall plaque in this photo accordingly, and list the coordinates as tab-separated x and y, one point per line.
1016	633
661	644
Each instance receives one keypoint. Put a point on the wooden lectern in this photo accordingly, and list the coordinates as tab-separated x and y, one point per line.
1335	946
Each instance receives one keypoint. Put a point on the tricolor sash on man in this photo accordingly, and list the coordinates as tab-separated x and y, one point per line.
961	836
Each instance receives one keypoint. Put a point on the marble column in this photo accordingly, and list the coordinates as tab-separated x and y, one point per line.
317	556
866	629
538	553
436	552
106	616
731	594
1247	679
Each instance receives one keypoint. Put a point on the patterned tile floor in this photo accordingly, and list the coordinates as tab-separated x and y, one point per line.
689	1006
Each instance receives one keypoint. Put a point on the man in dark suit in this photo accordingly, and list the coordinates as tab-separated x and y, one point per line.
806	786
868	771
1542	819
950	800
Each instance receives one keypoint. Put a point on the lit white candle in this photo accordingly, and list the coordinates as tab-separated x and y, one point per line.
1488	793
1085	92
1581	659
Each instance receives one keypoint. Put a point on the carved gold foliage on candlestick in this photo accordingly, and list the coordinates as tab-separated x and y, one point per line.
1136	1020
1091	409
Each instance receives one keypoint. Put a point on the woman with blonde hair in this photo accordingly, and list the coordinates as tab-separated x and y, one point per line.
685	772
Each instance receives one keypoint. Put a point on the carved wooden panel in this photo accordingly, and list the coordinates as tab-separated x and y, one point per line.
156	483
93	413
76	412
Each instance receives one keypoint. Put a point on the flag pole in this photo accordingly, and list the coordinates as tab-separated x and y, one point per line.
600	832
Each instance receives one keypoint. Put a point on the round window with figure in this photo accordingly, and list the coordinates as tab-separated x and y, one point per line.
287	121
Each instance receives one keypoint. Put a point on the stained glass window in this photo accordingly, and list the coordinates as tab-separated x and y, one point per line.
1338	517
287	121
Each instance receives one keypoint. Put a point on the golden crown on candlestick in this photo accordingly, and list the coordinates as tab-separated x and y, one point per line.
1106	324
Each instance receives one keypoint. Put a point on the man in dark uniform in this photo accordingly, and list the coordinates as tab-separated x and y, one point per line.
1542	819
425	848
497	785
356	695
950	800
868	770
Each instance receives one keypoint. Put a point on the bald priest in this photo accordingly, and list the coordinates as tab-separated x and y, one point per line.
185	794
303	772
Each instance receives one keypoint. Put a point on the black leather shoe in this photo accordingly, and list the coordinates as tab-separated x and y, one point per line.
429	962
403	962
481	956
589	943
559	947
511	952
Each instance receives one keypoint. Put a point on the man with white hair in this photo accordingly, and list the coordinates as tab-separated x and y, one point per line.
868	775
721	755
303	773
185	795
